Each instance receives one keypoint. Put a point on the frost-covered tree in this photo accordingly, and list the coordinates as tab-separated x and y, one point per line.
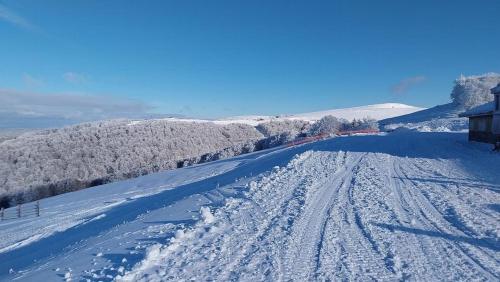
360	124
472	91
279	132
333	125
50	162
279	127
327	125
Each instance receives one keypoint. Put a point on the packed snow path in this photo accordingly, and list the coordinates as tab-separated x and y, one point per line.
406	206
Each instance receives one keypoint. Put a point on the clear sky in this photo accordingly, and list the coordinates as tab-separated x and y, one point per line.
224	58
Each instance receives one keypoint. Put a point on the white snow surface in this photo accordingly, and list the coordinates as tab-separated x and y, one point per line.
442	118
376	111
403	206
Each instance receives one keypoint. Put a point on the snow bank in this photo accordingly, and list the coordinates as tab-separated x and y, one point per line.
206	215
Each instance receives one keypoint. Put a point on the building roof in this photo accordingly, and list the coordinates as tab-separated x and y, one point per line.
484	109
496	89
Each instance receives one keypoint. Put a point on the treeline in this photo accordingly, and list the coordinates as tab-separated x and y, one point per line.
51	162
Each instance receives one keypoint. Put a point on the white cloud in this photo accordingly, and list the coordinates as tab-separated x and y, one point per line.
74	77
80	107
404	85
13	18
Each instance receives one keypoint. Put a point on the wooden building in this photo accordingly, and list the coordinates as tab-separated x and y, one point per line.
484	120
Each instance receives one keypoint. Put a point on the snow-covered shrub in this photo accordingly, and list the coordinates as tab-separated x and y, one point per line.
50	162
333	125
279	127
472	91
327	125
279	132
360	124
277	140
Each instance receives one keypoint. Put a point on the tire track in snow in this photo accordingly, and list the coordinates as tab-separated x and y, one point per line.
349	250
363	256
271	236
486	257
433	220
337	216
410	249
305	241
430	245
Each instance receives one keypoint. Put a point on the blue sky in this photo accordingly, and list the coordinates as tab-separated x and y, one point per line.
223	58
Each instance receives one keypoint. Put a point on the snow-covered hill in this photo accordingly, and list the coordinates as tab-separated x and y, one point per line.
439	118
377	111
407	205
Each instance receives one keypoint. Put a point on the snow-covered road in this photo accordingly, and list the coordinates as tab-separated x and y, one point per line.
409	205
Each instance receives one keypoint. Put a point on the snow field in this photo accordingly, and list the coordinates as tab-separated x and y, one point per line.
344	215
402	206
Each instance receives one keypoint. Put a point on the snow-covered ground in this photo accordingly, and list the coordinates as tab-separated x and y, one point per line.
406	205
439	118
377	111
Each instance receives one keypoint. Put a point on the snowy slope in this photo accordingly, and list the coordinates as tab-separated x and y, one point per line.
377	111
408	205
439	118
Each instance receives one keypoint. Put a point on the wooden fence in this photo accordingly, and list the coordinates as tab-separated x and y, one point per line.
20	211
322	136
363	131
308	139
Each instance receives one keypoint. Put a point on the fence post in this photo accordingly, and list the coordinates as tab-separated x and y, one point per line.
37	207
18	210
1	213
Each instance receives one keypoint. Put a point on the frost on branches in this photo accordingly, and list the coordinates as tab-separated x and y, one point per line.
471	91
333	125
46	163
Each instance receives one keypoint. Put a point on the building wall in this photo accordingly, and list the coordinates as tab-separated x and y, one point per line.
480	129
481	123
496	116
